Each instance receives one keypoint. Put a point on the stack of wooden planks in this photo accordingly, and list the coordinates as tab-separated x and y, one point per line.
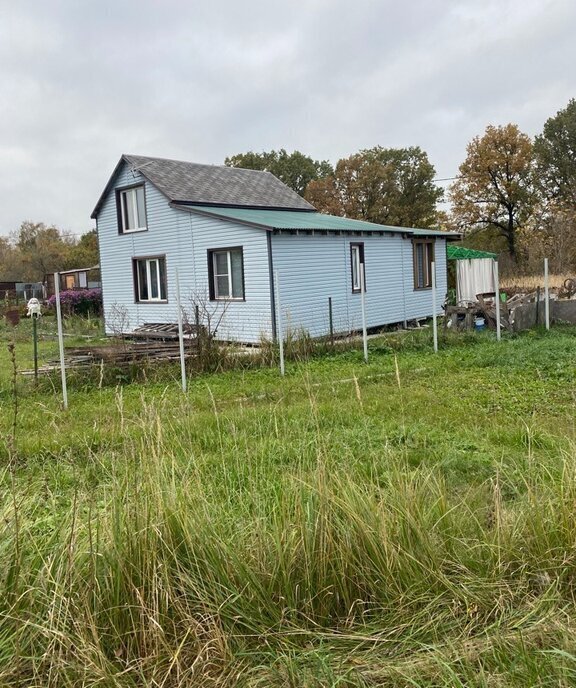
123	352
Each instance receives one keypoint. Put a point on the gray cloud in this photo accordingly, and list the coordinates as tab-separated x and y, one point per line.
80	83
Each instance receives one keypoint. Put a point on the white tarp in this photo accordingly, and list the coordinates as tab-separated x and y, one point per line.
474	276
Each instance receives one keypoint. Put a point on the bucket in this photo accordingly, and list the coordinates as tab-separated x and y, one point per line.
479	324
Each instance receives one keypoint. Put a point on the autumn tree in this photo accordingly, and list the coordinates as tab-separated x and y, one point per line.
43	249
10	261
295	169
495	188
555	156
391	186
36	250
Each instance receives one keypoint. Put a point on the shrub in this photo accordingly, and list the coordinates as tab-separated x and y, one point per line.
79	301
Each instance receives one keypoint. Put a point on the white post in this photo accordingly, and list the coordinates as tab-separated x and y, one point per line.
363	305
497	297
546	294
60	338
279	333
434	316
180	333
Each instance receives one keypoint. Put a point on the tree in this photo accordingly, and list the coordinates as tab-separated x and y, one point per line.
84	254
36	250
10	261
43	250
495	188
393	186
295	169
555	156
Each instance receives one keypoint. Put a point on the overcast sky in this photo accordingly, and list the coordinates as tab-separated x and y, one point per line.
83	82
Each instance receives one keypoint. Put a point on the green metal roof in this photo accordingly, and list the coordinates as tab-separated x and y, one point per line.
295	220
462	253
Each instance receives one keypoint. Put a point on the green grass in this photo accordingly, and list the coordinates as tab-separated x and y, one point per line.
406	522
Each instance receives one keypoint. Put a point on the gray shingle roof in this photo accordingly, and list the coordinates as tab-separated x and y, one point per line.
192	183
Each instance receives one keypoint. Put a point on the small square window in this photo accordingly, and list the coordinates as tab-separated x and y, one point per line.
226	273
131	208
150	278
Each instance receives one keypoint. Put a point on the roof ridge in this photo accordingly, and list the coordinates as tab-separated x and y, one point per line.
193	182
196	164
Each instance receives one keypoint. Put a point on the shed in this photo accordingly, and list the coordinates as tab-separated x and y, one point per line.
474	272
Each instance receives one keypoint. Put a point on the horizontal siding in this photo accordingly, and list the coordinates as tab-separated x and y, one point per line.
249	320
184	238
313	268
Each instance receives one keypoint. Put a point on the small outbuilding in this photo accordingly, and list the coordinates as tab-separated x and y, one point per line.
474	272
78	278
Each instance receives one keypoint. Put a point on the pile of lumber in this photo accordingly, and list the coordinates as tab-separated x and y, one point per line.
165	331
464	316
119	355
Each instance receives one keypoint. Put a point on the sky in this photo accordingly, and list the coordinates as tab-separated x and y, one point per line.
82	82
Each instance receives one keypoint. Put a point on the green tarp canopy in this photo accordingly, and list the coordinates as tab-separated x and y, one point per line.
461	253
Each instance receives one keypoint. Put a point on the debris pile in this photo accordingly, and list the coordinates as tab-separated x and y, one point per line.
518	311
156	342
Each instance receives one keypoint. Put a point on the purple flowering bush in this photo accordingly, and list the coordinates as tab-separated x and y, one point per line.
79	301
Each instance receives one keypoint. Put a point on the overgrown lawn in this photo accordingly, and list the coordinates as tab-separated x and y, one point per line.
410	521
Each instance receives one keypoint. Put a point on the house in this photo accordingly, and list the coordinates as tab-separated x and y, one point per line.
78	278
228	231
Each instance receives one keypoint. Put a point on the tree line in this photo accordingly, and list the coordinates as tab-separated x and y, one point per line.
512	193
36	250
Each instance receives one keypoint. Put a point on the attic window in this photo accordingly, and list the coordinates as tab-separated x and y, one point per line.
131	207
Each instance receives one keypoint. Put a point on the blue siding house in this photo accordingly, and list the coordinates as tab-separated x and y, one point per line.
228	231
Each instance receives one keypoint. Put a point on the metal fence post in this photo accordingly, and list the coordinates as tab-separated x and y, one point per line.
497	291
60	338
363	305
331	320
434	318
180	333
280	332
546	294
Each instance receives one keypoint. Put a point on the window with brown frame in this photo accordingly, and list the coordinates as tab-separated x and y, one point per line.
423	253
356	261
226	274
131	209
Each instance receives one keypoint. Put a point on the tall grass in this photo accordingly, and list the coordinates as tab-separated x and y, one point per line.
169	577
532	282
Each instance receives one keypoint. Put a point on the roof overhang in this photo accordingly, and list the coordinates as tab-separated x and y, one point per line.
356	227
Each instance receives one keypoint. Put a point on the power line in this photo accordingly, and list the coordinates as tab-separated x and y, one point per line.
447	179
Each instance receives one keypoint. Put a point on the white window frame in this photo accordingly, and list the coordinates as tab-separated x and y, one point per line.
215	274
149	262
128	200
357	259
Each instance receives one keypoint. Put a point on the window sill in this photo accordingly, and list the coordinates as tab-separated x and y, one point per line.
133	231
423	288
152	301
